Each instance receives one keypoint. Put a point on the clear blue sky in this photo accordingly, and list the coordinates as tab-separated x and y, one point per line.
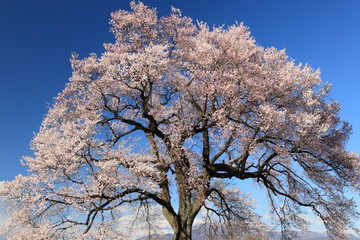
38	37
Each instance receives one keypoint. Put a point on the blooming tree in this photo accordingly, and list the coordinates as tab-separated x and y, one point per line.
165	116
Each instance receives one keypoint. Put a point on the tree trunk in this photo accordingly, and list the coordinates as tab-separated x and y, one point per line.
183	231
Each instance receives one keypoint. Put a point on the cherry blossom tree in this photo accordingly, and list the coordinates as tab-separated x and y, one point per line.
167	115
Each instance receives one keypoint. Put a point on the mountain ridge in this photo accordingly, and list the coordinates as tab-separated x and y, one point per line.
271	235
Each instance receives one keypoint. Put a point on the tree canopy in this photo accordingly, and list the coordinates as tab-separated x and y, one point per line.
168	113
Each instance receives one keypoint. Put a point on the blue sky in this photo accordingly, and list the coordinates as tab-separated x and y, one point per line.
37	38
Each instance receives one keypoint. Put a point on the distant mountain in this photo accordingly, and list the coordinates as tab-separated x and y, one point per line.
157	237
272	235
303	235
311	235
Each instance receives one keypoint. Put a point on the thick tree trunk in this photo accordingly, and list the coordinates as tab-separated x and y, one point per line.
182	226
182	222
183	231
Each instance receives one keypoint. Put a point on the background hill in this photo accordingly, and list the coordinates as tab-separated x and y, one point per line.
272	235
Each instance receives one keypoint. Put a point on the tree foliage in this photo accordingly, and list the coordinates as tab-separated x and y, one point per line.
168	113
